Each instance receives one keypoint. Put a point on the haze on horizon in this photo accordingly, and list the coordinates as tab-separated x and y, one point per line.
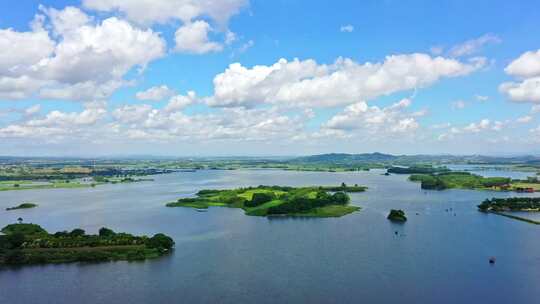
240	77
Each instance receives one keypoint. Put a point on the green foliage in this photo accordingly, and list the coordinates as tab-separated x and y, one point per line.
77	232
260	198
160	241
31	244
22	206
106	232
278	200
511	204
465	180
417	170
25	229
397	215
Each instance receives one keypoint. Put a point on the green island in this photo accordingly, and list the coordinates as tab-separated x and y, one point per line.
397	216
467	180
24	244
22	206
505	206
278	200
426	169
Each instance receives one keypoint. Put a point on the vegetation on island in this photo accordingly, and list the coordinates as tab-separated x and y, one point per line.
397	216
505	207
24	244
467	180
278	200
22	206
462	180
531	204
417	170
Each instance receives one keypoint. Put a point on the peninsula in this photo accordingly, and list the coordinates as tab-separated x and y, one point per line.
506	206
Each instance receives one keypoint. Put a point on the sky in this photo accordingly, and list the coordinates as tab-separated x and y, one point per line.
262	78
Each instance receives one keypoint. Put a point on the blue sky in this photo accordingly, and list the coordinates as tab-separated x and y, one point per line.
239	77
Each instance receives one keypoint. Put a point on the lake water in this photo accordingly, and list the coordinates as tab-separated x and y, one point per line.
440	254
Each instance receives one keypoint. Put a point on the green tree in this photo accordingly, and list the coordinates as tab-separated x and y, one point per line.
106	232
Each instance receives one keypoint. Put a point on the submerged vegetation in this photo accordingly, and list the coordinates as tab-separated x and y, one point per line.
278	200
22	206
31	244
397	216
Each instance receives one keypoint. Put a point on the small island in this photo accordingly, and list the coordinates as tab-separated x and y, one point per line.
278	200
506	206
397	216
24	244
22	206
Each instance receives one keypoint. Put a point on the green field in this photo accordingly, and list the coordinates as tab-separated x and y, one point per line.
278	201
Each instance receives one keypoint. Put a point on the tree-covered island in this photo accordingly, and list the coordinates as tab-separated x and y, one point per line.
278	200
22	206
24	244
507	206
397	216
467	180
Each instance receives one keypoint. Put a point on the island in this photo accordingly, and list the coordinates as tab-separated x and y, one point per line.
460	180
397	216
507	206
22	206
24	244
278	200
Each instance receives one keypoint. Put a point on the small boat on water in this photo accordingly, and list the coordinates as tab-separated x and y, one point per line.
201	210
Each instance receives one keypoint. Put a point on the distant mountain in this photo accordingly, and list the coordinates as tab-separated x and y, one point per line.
347	158
344	158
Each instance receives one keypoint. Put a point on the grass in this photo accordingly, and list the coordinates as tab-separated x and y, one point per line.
328	211
535	186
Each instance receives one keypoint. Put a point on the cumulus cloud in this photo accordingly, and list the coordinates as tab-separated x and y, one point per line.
307	83
363	118
527	90
193	38
156	93
88	62
525	66
527	69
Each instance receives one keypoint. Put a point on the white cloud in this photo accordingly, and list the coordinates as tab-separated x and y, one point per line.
527	69
246	46
472	46
524	119
307	83
458	105
179	102
88	61
156	93
360	117
481	98
525	66
163	11
193	38
535	109
346	28
526	91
